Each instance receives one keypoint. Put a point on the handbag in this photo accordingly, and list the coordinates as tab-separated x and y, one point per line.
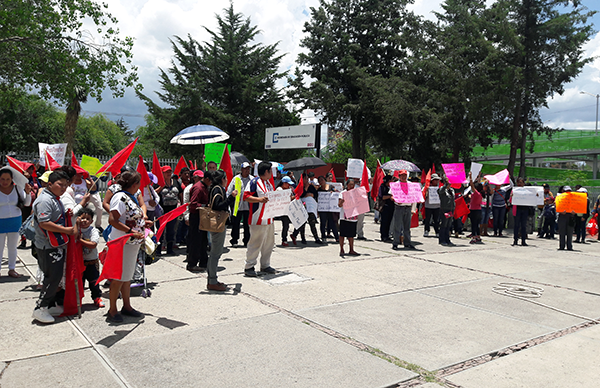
212	220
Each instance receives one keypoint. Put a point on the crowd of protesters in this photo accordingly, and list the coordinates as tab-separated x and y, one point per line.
132	209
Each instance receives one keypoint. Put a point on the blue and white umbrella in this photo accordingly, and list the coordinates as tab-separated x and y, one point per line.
199	134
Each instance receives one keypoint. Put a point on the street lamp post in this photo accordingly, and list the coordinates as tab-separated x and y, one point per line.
597	100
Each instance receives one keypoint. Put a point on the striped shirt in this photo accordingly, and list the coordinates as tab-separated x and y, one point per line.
257	188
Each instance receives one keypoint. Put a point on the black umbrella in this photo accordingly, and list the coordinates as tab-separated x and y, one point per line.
304	164
238	158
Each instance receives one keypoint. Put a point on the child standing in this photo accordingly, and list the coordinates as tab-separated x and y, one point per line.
549	214
89	238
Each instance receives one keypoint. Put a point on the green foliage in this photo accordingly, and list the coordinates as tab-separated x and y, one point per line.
229	82
572	178
343	152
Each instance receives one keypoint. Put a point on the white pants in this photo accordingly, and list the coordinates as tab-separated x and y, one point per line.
262	240
97	202
12	241
359	226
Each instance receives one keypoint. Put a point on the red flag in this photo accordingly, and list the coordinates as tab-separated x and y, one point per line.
142	170
332	175
300	188
117	162
180	164
427	182
226	164
77	168
461	208
156	170
51	164
397	174
377	181
20	166
73	273
414	220
191	165
433	169
364	179
195	165
170	216
112	259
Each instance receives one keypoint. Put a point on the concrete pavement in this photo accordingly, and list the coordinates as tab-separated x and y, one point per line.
386	318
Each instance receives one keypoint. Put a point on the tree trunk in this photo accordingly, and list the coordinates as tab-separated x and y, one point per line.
514	139
72	117
522	169
356	138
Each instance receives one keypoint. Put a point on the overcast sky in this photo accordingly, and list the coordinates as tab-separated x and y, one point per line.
153	22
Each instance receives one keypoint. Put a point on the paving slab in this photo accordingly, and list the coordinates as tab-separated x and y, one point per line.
173	306
575	278
22	338
18	288
423	330
570	361
266	351
478	294
79	368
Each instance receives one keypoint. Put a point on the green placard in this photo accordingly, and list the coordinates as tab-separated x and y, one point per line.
213	152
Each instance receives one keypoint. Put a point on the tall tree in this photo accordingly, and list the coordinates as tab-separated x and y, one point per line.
229	82
348	40
43	45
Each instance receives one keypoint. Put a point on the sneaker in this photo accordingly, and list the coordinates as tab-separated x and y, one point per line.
217	287
395	247
194	269
250	272
131	313
293	239
426	233
363	238
42	315
269	270
285	244
303	242
56	311
234	244
117	318
319	242
23	244
99	303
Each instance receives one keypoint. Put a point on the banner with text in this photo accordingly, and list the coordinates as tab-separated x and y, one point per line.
354	168
434	197
278	203
297	213
329	201
571	202
475	170
407	192
57	151
455	173
528	196
355	202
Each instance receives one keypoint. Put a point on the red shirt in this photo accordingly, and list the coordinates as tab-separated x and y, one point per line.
198	196
476	199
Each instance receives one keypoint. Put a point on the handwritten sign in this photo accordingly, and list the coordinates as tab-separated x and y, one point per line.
310	204
406	192
355	202
328	201
297	213
57	151
499	178
278	203
338	187
528	196
475	169
238	198
434	197
455	173
571	202
355	168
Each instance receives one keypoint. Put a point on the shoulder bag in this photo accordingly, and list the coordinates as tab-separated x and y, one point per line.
212	220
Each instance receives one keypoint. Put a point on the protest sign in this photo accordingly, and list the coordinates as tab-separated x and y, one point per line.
571	202
310	204
238	187
499	178
91	165
213	152
355	202
475	169
355	168
328	201
455	173
297	213
406	192
338	187
434	197
528	196
278	203
56	151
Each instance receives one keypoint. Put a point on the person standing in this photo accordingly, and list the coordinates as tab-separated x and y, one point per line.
566	224
285	184
475	210
402	217
432	208
243	210
499	201
521	213
50	222
447	206
347	224
326	218
308	197
581	219
12	199
387	208
262	231
171	196
197	252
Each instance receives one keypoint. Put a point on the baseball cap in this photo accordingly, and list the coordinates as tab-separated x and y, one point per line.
546	186
567	188
46	176
403	172
435	176
286	179
582	190
198	173
166	168
245	165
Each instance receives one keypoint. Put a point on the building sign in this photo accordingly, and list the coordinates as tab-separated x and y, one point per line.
299	136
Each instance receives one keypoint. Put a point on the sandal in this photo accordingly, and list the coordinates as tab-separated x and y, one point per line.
14	274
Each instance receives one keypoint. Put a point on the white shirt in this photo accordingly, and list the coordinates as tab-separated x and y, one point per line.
8	203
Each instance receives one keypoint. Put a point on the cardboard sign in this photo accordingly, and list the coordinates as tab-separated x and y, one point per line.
355	202
455	173
499	178
475	170
571	202
213	152
406	192
528	196
328	202
278	203
355	168
297	213
338	187
434	197
57	151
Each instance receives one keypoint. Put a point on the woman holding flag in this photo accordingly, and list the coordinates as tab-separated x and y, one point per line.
126	218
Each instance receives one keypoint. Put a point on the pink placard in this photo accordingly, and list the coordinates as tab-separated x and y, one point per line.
406	192
355	202
499	178
455	173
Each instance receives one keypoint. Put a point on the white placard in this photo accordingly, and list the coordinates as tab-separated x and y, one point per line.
310	204
299	136
297	213
475	169
433	196
329	201
338	187
355	168
278	203
57	151
528	196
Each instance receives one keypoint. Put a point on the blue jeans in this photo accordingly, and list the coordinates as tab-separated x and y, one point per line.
498	213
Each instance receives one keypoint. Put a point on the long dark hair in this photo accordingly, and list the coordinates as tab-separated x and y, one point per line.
128	179
216	178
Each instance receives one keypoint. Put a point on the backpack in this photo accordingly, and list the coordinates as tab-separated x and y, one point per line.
27	229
